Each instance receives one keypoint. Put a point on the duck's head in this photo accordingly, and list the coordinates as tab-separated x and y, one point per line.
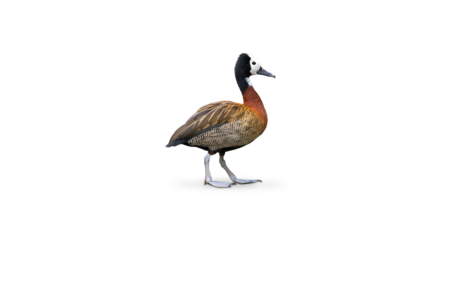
246	65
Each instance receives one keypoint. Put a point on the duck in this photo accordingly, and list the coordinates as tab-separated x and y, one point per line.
224	126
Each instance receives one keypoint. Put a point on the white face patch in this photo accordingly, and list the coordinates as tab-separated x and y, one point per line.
255	64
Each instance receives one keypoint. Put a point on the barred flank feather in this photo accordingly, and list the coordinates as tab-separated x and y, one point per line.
207	117
234	134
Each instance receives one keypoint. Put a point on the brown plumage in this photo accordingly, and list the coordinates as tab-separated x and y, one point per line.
225	125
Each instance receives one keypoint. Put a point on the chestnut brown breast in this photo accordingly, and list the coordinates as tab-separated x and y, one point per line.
254	102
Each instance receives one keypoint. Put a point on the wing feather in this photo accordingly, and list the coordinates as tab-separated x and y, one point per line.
208	117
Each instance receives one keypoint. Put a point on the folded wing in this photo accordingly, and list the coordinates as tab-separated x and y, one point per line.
207	118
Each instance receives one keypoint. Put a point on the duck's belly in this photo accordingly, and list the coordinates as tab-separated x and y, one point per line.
235	134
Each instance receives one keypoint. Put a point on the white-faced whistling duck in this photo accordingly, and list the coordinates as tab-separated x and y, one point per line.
222	126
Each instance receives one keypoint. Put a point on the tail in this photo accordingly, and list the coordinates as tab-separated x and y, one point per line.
177	142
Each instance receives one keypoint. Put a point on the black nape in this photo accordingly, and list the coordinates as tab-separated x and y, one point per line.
242	71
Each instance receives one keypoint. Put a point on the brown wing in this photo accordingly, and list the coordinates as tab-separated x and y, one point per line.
209	117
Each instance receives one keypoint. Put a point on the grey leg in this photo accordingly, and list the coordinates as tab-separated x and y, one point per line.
222	162
207	174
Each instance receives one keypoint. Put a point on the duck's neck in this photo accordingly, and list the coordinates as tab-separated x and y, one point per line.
243	83
254	102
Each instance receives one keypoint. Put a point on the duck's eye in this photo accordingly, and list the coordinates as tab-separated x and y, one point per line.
253	63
